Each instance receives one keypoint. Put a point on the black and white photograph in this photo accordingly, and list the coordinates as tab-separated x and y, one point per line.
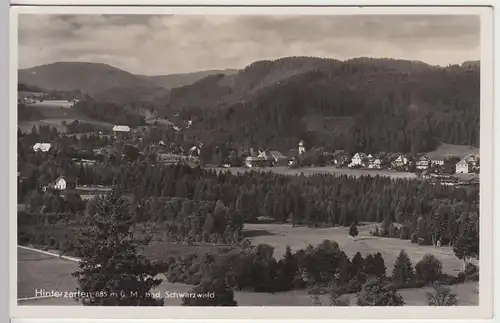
264	160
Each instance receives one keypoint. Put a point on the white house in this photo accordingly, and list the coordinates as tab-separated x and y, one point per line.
376	164
60	184
437	162
359	159
400	161
118	128
463	166
423	162
43	147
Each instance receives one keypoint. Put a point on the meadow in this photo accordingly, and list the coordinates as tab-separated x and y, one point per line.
54	113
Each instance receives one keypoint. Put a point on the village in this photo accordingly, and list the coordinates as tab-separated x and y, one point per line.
127	143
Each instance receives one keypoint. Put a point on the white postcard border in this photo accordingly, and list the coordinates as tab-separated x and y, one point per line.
484	310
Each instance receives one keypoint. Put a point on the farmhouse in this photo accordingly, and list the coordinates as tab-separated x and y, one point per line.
121	129
62	184
360	160
277	158
401	161
463	166
437	162
422	162
375	164
43	147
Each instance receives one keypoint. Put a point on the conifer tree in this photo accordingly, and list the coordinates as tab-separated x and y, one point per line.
466	245
353	230
111	271
403	271
357	264
290	269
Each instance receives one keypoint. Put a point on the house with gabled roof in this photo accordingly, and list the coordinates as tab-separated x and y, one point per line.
422	162
467	165
359	160
401	161
277	158
61	184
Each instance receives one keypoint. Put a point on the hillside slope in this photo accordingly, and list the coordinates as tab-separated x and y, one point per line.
360	104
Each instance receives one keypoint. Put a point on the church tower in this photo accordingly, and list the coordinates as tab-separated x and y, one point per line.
302	149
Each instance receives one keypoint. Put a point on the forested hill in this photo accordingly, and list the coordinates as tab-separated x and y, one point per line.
360	104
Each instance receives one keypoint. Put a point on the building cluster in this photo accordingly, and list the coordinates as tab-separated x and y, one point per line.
468	164
361	160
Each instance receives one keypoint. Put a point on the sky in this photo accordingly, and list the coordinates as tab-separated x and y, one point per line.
169	44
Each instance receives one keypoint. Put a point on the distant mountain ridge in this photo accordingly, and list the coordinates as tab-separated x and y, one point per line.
105	82
170	81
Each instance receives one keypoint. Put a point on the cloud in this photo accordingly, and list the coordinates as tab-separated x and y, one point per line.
165	44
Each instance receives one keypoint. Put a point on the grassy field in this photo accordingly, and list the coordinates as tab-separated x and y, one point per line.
281	235
447	150
53	113
322	170
37	271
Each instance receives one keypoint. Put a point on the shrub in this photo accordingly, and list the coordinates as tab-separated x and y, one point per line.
471	273
441	296
375	293
429	269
